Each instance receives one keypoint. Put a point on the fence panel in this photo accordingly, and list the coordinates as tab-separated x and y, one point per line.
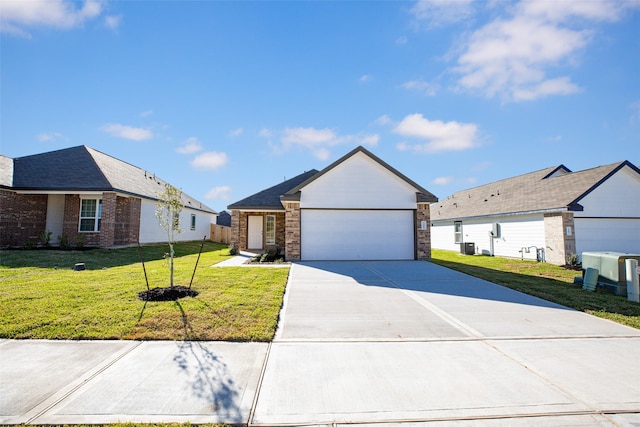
220	233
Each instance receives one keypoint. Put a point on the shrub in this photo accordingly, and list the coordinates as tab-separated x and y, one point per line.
45	239
64	242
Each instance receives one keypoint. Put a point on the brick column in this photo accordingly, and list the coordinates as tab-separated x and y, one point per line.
71	220
558	244
423	237
292	234
108	222
235	230
135	207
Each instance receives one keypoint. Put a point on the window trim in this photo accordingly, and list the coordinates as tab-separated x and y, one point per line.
270	240
97	218
457	232
193	222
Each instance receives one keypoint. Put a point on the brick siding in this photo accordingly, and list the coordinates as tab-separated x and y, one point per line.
557	244
240	228
23	218
292	234
423	237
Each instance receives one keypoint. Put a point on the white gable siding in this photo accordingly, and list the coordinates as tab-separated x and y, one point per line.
610	220
151	232
607	234
516	232
619	196
359	183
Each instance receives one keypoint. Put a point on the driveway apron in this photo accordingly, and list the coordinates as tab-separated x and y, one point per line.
393	341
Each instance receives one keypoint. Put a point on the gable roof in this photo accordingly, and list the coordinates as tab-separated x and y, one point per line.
422	194
85	169
270	198
551	189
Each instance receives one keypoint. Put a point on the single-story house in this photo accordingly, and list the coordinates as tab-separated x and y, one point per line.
81	193
357	208
548	215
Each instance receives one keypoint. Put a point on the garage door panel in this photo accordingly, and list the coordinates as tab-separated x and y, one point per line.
357	235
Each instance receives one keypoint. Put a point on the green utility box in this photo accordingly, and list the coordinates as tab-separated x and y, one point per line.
612	275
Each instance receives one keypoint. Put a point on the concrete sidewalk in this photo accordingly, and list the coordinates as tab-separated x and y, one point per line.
358	342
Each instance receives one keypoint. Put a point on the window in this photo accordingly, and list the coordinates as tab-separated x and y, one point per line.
193	221
457	231
90	215
270	235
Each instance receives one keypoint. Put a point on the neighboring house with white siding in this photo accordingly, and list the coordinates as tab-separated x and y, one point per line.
546	215
81	193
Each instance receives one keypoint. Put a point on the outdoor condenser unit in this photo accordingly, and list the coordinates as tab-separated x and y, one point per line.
611	268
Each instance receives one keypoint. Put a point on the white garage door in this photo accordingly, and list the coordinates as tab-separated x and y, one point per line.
357	235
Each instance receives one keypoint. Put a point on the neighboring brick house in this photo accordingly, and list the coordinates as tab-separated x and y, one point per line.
81	194
357	208
547	215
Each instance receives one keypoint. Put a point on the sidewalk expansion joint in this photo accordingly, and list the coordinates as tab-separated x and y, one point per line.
82	383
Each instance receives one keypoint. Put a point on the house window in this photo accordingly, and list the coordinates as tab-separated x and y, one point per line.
270	234
457	231
90	215
193	221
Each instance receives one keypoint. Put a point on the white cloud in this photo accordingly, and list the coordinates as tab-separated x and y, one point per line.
265	133
443	180
17	15
425	88
146	113
383	120
210	160
366	78
127	132
436	13
112	21
50	136
440	136
219	193
236	132
189	146
319	141
401	41
512	56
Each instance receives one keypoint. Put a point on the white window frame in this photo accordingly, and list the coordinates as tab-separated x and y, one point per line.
457	232
97	218
193	222
270	235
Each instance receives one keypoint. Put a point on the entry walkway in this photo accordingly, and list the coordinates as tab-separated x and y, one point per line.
358	342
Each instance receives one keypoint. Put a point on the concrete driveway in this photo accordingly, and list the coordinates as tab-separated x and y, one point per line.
372	342
358	343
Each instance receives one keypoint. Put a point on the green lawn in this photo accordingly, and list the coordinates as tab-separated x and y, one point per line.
42	297
547	281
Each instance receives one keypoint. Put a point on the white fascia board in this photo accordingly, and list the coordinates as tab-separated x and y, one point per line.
500	215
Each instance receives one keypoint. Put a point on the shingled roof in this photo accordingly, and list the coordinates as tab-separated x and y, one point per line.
269	199
85	169
551	189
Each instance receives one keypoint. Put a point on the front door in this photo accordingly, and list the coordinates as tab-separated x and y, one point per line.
255	232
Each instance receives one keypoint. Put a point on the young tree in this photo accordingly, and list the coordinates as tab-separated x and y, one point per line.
168	213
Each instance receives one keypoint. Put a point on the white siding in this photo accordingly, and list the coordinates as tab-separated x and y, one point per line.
608	234
359	183
610	220
151	232
619	196
516	232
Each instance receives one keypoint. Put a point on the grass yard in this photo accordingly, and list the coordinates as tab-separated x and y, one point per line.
547	281
42	297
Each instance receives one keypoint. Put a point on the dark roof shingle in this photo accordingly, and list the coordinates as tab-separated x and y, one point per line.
550	189
270	198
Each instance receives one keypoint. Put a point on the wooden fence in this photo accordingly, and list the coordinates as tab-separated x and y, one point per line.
220	233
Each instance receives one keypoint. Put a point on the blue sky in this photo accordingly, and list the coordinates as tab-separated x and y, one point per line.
224	99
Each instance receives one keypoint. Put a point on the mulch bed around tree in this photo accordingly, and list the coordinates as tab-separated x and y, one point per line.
167	294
